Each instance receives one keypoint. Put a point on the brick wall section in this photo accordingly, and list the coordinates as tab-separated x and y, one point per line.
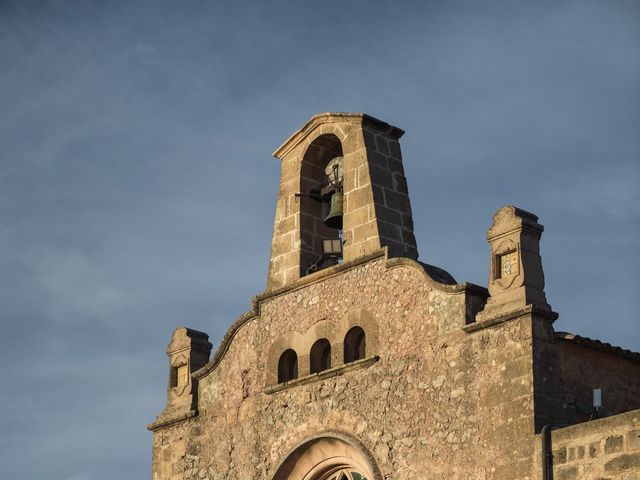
604	449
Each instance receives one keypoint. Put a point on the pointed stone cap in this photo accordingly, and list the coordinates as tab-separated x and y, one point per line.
510	218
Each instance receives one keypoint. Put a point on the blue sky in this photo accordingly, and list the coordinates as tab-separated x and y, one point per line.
137	190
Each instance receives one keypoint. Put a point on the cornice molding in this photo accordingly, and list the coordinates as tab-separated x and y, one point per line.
328	373
171	419
529	310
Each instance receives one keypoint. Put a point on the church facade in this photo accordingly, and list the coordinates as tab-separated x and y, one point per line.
359	362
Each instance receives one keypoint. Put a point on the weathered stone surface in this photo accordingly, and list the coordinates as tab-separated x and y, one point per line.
613	444
623	462
599	446
569	473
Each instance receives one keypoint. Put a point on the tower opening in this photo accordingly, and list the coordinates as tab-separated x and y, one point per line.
321	166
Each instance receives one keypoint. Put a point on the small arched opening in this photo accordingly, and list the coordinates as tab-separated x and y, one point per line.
354	345
320	356
287	366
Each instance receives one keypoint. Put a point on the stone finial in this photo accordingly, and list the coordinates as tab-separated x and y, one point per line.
188	351
377	211
516	278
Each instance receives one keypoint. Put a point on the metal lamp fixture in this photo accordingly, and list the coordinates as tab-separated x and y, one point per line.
332	248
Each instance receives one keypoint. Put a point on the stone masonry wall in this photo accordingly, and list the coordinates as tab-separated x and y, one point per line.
583	369
566	374
432	401
604	449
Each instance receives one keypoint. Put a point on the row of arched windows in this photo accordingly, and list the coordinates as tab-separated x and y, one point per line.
320	355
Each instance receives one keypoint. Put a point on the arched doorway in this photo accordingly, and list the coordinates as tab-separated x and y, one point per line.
330	457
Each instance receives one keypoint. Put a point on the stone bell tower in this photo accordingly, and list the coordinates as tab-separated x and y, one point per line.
344	165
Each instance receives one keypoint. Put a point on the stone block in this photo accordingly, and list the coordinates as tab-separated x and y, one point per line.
382	178
389	231
623	462
394	149
285	225
396	249
633	440
357	199
408	237
400	183
569	473
376	158
349	180
613	444
389	215
396	166
407	220
284	243
361	215
397	201
364	231
560	456
381	144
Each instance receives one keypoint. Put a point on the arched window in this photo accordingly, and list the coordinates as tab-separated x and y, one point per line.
287	366
320	356
354	345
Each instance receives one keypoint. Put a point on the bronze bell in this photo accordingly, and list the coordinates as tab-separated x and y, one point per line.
334	219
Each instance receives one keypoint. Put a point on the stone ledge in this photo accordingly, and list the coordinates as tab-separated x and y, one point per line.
528	310
598	427
331	372
170	419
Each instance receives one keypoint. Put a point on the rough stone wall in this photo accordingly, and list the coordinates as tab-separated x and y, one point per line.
604	449
437	402
583	369
566	375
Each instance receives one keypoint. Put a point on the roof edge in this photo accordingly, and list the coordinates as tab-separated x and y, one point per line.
598	345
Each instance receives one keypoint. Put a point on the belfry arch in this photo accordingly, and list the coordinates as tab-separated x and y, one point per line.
328	457
313	177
